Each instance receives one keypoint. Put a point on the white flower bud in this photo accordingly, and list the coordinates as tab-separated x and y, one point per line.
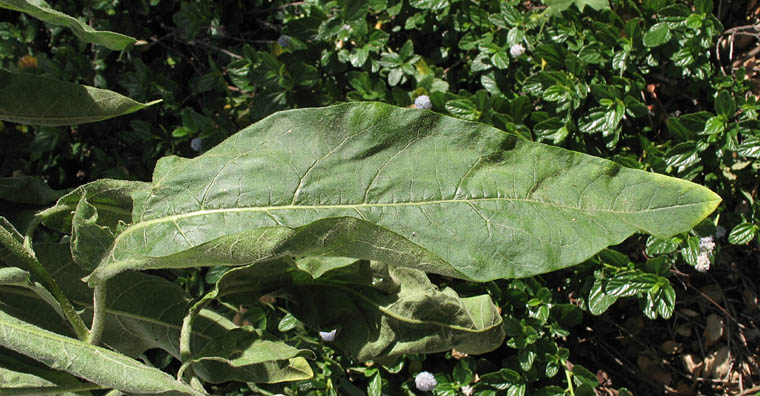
425	381
517	50
423	102
328	336
196	144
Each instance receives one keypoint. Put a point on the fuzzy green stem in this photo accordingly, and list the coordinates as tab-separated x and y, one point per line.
49	390
98	314
20	256
185	336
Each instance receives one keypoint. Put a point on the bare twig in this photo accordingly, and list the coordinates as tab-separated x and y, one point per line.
215	48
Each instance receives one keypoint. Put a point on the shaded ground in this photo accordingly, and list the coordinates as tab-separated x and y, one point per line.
711	345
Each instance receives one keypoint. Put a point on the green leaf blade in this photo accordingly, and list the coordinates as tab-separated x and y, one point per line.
488	203
41	10
50	102
98	365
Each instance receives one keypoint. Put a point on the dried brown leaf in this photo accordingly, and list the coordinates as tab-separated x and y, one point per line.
684	329
713	329
718	362
671	347
691	364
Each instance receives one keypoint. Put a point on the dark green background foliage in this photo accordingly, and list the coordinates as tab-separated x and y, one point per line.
637	83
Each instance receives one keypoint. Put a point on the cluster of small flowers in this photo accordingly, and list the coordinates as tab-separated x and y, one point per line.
425	381
517	50
706	248
423	102
283	41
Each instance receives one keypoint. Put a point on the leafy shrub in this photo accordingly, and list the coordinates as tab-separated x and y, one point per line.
592	79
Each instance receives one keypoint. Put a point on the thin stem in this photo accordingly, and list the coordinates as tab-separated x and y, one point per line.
49	390
98	314
569	377
185	335
23	257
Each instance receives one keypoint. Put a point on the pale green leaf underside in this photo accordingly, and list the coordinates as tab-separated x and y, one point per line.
19	371
16	277
379	310
241	355
143	311
41	10
10	379
98	365
488	203
36	100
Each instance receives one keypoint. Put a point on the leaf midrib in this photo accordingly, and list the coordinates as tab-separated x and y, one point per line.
146	223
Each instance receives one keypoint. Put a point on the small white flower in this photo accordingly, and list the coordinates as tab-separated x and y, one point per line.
703	262
720	232
328	336
707	244
423	102
283	41
467	390
425	381
517	50
346	27
196	144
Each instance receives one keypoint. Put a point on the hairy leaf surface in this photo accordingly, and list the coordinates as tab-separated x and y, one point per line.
41	10
50	102
486	203
18	371
378	310
142	312
16	277
241	355
111	198
99	365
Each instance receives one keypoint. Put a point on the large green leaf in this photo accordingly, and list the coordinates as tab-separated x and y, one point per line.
98	365
18	371
480	203
32	99
241	355
18	278
142	312
23	196
377	309
110	198
41	10
27	190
